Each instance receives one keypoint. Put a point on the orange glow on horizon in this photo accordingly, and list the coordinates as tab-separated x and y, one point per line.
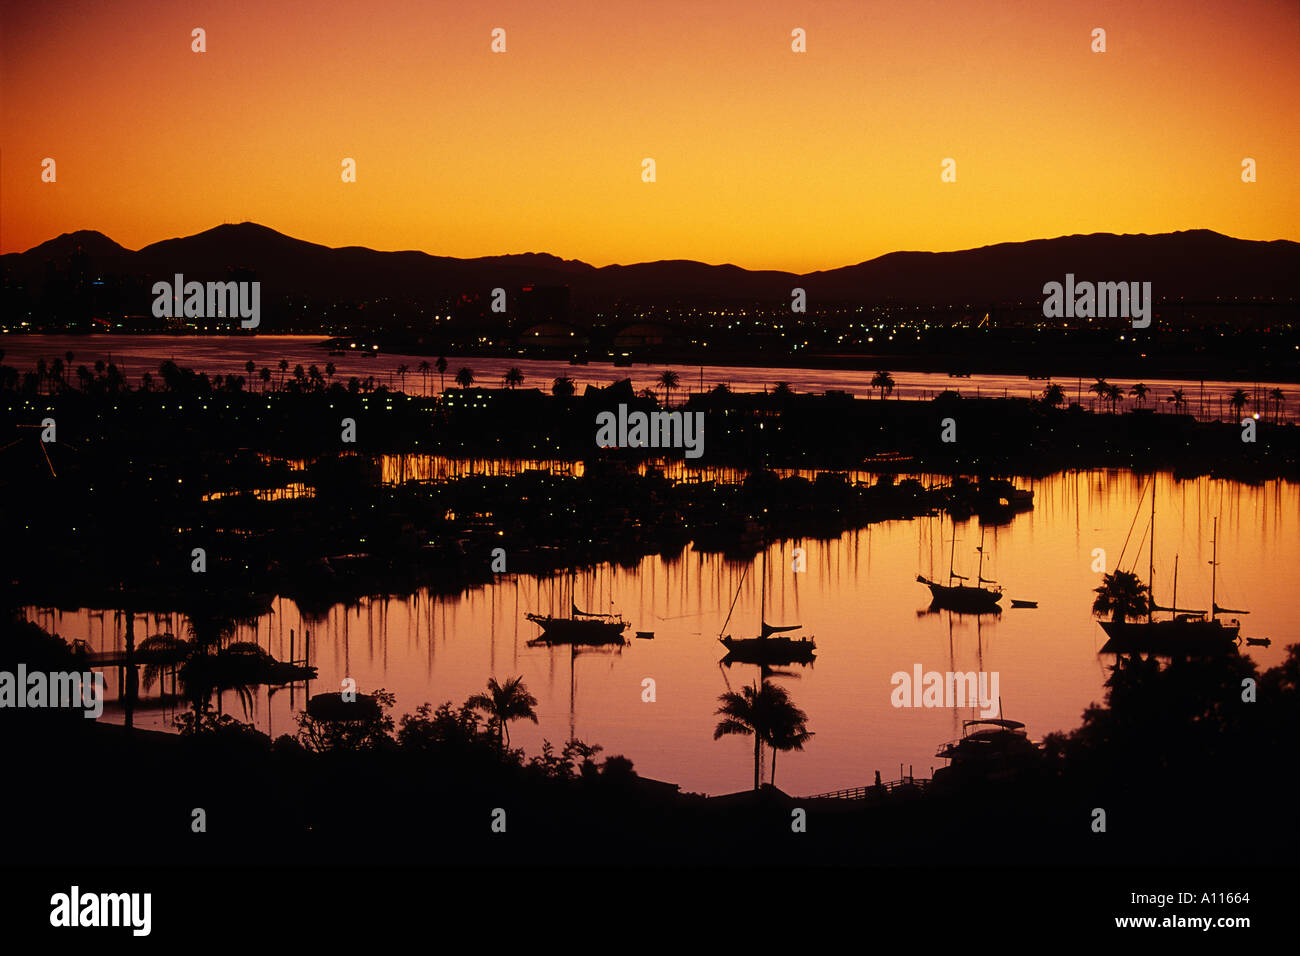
765	158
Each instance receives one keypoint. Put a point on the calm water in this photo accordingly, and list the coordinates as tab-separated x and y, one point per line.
224	355
858	597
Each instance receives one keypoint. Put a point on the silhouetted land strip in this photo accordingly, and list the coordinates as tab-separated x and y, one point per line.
108	514
1178	761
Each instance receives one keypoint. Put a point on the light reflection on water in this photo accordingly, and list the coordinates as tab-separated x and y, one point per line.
225	355
858	597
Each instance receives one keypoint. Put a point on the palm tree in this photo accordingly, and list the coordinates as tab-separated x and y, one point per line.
330	369
1239	400
284	367
1115	394
1053	395
441	366
401	375
1122	595
1178	398
146	379
883	381
425	368
1100	388
1140	392
563	387
465	377
299	373
768	715
503	703
789	732
265	376
513	377
782	391
1278	399
668	381
250	367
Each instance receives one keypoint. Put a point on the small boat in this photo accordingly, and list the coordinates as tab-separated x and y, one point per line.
989	749
964	598
645	635
580	627
1258	641
1024	604
766	650
1187	632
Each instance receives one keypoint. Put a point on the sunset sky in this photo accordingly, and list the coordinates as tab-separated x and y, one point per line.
765	158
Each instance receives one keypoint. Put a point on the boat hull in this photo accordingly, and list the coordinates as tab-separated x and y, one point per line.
768	650
560	630
962	599
1168	638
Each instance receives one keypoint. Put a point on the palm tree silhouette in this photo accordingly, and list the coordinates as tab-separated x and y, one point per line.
465	377
1178	398
668	381
1115	394
1140	392
284	367
513	377
265	376
1053	395
1100	388
401	375
441	366
782	391
1121	595
425	368
504	703
563	387
1239	400
1278	399
883	381
768	715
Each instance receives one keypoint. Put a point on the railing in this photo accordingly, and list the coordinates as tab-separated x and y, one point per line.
861	793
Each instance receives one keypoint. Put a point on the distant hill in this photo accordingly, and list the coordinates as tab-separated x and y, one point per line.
1196	265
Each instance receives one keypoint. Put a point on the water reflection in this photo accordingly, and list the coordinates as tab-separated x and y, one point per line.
858	594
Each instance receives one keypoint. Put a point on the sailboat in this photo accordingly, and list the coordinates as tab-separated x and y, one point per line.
580	627
1187	631
964	598
766	649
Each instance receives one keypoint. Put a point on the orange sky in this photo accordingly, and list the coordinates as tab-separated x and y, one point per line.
766	158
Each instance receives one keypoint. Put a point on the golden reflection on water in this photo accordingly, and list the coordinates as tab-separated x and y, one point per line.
858	597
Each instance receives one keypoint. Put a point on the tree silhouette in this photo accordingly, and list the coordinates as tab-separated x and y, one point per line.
504	703
1140	392
768	715
563	387
1122	595
465	377
513	377
1053	395
668	381
883	381
441	366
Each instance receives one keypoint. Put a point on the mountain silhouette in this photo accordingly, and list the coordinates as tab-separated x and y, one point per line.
1196	265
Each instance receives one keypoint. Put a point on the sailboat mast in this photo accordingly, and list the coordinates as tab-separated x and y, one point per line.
952	555
979	577
762	600
1174	609
1214	572
1151	555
